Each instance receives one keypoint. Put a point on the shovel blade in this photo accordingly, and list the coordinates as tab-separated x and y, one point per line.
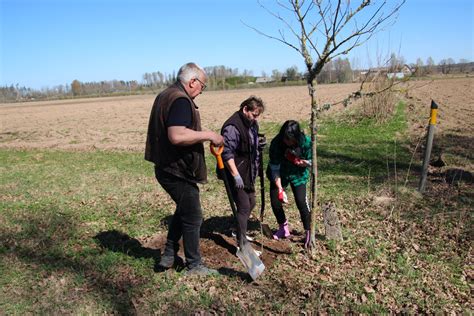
251	261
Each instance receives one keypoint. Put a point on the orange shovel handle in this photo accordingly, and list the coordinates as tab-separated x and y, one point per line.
217	153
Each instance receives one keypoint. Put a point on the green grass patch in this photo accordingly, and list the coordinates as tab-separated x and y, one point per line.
355	158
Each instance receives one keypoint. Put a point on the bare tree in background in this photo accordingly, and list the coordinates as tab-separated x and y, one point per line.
419	70
320	31
463	65
430	65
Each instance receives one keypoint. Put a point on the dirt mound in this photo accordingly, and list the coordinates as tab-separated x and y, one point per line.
218	249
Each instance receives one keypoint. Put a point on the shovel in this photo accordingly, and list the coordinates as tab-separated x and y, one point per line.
245	252
265	229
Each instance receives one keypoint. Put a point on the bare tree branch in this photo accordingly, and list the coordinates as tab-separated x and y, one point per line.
304	36
335	19
343	16
322	14
273	37
359	93
278	17
328	37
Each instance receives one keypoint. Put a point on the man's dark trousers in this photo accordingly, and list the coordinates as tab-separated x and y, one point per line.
187	219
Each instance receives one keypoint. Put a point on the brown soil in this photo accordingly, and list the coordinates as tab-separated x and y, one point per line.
455	99
218	250
120	123
454	133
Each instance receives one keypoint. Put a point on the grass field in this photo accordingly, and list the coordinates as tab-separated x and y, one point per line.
76	225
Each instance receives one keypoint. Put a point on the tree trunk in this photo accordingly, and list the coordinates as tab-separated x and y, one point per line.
314	166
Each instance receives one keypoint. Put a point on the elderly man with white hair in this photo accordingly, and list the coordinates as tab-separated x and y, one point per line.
175	145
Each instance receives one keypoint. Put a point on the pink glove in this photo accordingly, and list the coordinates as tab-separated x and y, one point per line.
282	196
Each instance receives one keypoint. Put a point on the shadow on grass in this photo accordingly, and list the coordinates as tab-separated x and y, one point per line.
41	242
218	224
236	274
214	227
383	163
343	164
116	241
120	242
450	142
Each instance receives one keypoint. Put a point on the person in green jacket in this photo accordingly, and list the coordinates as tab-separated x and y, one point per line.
290	157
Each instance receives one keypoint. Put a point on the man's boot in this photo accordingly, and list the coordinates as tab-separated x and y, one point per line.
282	232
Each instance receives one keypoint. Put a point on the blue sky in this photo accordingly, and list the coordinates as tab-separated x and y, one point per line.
44	43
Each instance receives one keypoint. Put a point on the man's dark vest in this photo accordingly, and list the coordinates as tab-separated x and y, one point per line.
243	154
186	162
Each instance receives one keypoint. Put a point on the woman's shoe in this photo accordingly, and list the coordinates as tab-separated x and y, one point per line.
282	232
307	239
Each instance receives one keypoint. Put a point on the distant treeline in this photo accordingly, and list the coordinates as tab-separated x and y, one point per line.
223	78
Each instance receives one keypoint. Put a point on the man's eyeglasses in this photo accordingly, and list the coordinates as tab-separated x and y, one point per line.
255	114
203	85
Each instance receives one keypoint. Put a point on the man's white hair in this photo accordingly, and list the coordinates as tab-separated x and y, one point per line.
190	71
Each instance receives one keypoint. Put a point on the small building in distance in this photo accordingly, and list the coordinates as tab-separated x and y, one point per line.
264	80
400	73
405	71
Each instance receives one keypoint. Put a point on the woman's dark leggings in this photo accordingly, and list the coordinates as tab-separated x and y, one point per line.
301	202
245	202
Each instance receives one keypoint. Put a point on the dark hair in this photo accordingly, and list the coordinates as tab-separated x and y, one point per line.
291	130
252	103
